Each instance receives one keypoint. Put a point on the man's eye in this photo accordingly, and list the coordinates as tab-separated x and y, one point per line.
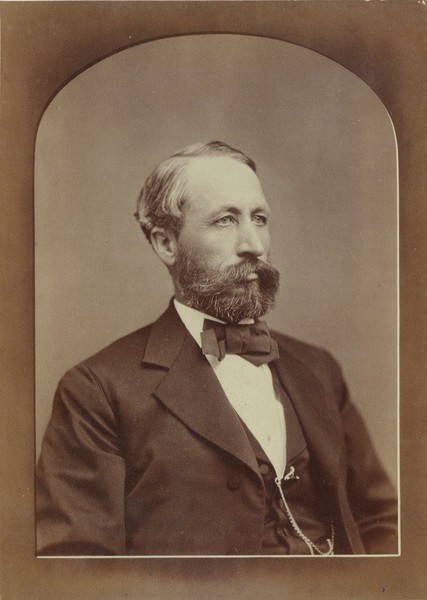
260	219
224	221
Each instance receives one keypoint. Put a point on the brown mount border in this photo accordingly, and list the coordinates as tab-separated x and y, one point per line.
44	45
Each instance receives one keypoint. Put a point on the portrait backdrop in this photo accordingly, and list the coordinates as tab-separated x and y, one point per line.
326	154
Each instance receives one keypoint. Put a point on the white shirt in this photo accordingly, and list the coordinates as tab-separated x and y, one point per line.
249	390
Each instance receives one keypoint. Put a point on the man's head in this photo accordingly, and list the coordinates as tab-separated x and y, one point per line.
206	216
163	196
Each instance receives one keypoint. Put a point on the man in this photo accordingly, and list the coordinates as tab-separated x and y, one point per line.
201	434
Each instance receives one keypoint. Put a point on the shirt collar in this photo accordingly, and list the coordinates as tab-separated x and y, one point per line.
193	319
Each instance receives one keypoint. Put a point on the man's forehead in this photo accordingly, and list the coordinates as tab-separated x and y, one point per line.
221	177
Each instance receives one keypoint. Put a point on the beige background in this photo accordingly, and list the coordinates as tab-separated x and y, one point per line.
326	153
44	45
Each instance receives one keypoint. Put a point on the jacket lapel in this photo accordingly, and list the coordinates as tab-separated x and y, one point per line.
311	405
190	388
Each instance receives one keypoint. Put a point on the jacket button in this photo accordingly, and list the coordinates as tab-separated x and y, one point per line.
264	469
233	550
234	482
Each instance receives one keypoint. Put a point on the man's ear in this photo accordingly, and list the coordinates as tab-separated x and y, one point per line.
164	243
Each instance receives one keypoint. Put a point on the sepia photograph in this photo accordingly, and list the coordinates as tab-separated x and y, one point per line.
203	433
216	290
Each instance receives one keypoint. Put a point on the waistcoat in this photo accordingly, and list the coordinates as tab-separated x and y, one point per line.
302	491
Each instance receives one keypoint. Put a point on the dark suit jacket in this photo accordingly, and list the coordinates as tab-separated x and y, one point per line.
145	455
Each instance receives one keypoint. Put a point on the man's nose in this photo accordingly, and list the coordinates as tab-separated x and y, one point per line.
250	241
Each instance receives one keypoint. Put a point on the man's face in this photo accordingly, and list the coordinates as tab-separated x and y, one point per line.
222	266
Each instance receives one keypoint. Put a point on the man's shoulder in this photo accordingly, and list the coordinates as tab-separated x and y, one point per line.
121	358
295	346
131	344
315	358
116	360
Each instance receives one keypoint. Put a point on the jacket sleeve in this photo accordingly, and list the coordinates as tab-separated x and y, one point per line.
370	493
80	474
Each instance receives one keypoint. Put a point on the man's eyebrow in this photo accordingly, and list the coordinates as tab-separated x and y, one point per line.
222	209
262	209
236	211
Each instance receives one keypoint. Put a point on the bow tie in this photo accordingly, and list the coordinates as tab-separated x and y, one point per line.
252	342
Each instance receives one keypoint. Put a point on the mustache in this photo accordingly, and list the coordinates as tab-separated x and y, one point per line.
247	267
236	275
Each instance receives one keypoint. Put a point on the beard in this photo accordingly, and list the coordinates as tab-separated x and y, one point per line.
227	295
